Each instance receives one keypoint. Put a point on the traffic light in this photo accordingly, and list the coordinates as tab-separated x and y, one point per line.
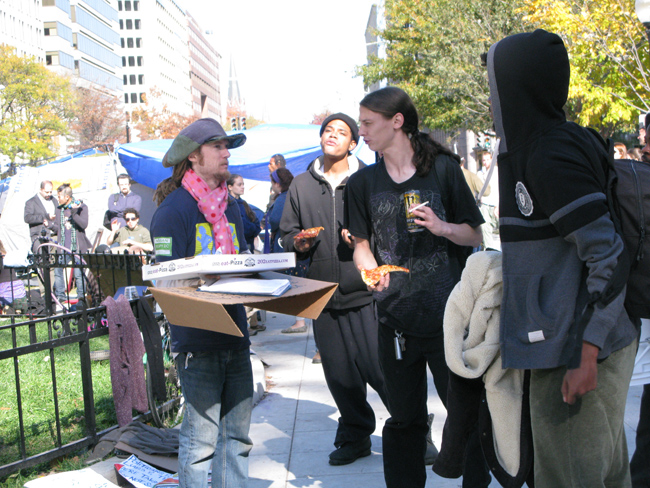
242	123
233	123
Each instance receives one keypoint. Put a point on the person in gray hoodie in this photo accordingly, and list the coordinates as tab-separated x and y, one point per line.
560	249
346	331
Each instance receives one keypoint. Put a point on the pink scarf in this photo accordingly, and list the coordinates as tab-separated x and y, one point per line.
212	204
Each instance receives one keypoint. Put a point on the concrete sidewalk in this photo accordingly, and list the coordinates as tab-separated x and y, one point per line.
293	426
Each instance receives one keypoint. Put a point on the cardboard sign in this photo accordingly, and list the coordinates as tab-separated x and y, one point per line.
203	310
205	264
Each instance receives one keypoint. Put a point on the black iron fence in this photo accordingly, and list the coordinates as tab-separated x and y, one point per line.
44	335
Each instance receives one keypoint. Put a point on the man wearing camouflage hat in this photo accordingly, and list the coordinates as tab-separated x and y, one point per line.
196	216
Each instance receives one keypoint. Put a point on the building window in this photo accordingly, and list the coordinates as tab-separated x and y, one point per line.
48	59
140	61
140	79
129	42
136	5
134	98
132	79
46	31
138	42
123	60
127	5
125	80
131	61
142	98
122	42
119	5
137	23
126	98
129	24
121	24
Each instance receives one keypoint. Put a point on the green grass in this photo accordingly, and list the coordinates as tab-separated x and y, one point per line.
38	397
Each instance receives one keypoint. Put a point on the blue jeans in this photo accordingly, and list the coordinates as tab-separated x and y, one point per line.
59	282
218	391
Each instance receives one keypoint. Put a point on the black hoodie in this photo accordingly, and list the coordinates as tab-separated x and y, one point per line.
559	244
313	203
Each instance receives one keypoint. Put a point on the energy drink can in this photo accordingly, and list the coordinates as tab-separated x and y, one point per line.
411	197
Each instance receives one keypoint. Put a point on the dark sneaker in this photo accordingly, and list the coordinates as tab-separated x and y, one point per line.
349	452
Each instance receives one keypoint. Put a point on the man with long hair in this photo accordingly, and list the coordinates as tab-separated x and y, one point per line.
410	307
197	216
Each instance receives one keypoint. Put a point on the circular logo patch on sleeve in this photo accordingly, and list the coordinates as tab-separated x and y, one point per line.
524	202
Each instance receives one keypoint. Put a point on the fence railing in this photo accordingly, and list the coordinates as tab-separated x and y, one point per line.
52	333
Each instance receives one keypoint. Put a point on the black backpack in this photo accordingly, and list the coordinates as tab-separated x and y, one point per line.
628	199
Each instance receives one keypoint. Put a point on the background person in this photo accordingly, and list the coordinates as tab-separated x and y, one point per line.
40	212
214	368
251	222
134	237
71	221
281	179
125	198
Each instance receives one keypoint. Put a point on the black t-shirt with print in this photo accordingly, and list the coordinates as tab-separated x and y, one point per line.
414	302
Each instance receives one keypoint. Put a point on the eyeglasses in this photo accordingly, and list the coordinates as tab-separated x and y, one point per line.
130	219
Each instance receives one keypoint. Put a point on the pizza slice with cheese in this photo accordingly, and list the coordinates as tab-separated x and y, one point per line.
372	276
308	233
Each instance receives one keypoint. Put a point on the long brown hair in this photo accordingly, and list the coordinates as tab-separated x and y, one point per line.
392	100
168	185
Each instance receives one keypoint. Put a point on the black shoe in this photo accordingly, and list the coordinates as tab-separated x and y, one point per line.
349	452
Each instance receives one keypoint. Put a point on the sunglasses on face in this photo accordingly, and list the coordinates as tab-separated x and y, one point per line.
130	219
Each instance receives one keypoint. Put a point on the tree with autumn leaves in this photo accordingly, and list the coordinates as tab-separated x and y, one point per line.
433	52
35	107
609	56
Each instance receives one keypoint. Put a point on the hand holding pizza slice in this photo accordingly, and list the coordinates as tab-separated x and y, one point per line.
372	276
308	233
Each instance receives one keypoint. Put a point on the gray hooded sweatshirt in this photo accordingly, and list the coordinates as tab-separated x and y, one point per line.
558	241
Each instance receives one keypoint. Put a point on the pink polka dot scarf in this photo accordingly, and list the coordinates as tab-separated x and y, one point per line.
212	204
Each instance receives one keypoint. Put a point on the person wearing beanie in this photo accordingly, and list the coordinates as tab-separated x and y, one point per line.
560	248
346	331
197	216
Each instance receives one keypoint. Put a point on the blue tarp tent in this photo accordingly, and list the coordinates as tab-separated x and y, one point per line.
299	144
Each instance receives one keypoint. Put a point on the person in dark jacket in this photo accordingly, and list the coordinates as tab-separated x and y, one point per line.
196	216
251	222
70	225
40	211
560	249
346	331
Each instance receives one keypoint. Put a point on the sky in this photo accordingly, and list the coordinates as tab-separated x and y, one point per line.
293	58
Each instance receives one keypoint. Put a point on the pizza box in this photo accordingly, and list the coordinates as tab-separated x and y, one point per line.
188	307
204	264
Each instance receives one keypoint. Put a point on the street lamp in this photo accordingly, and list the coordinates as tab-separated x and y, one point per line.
642	8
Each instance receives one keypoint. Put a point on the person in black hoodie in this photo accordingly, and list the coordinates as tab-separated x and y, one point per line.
346	331
560	249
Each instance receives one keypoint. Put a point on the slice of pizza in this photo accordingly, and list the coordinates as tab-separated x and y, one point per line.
308	233
372	276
